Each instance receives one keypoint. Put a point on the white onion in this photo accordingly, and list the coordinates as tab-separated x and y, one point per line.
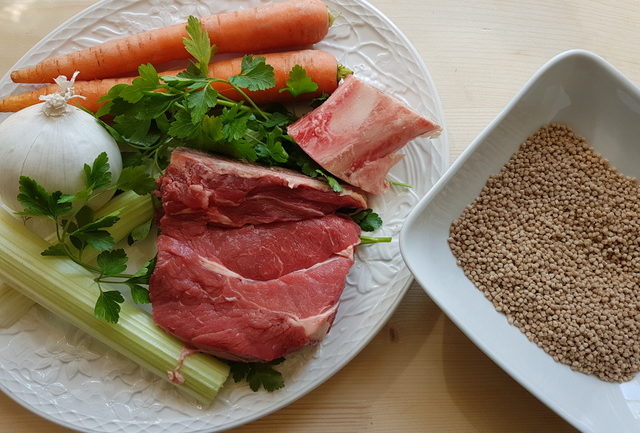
50	142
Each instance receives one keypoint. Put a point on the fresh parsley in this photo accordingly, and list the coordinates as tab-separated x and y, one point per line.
258	374
198	45
299	82
136	179
367	219
255	74
108	305
77	229
38	202
156	113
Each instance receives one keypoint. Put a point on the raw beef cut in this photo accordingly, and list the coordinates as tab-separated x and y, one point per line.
231	193
355	133
251	260
254	293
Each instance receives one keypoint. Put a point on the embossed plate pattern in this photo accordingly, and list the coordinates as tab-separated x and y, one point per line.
60	373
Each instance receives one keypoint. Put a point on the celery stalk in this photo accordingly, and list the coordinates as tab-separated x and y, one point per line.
13	305
68	290
134	210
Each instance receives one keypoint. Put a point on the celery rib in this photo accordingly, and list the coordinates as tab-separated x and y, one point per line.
13	305
134	210
68	290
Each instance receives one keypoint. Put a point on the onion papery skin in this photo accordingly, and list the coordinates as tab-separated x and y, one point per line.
52	150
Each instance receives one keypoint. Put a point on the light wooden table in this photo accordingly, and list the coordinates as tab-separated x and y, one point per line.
420	373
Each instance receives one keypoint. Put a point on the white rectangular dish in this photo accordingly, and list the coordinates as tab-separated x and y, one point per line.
583	91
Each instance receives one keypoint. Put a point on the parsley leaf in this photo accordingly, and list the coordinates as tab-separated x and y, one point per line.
316	102
234	122
332	181
108	306
38	202
144	273
182	126
200	102
146	82
132	159
277	119
299	82
311	168
255	74
136	179
93	235
113	93
110	129
98	175
132	129
272	149
198	45
153	105
100	240
139	233
367	219
139	294
101	223
83	217
112	262
56	250
258	374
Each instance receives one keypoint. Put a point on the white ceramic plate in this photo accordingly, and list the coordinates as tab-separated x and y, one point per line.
583	91
67	377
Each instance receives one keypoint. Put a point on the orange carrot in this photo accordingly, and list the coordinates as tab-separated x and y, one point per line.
91	90
320	66
293	23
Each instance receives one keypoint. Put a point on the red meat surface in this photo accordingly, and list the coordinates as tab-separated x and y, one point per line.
254	293
232	194
249	291
355	133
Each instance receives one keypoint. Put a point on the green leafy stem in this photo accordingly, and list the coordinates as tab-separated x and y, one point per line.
77	229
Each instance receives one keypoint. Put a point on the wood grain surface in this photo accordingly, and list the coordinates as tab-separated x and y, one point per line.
420	373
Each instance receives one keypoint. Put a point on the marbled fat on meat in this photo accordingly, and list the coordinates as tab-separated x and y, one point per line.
355	133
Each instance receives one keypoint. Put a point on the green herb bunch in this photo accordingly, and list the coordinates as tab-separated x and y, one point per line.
156	113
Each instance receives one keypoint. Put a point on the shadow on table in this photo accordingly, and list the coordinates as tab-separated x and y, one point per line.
490	399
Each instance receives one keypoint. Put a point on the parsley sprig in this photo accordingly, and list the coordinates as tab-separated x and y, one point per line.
258	374
77	229
369	221
156	113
